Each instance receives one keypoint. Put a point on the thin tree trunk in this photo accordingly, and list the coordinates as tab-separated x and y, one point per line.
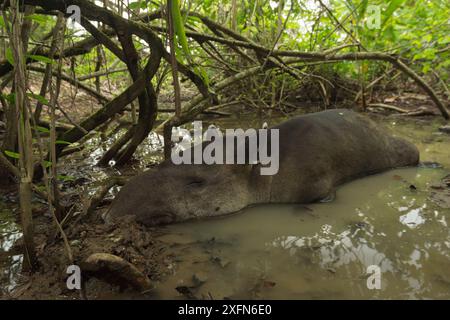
176	83
54	94
98	65
48	72
234	14
24	135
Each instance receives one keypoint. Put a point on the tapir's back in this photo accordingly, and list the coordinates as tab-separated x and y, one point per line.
322	150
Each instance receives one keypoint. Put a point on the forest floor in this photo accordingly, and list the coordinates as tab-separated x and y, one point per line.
132	242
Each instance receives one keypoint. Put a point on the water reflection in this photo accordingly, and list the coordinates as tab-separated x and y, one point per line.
413	218
337	250
10	265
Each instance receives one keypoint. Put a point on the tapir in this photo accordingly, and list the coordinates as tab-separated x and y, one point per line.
317	153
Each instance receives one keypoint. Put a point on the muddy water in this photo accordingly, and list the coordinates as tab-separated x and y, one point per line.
391	220
10	263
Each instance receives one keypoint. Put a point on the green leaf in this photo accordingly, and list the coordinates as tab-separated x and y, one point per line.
39	98
37	18
47	164
40	58
11	98
42	129
62	142
390	33
65	178
178	25
137	5
428	54
12	154
393	5
427	37
9	56
363	8
194	19
444	40
41	188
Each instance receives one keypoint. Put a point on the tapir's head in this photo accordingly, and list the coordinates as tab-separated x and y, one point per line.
175	193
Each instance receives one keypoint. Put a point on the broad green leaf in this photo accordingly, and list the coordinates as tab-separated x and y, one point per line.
427	37
65	178
426	68
40	58
363	8
12	154
137	5
47	164
41	188
389	33
11	98
42	129
9	55
393	5
194	19
62	142
428	54
178	25
444	40
39	98
38	18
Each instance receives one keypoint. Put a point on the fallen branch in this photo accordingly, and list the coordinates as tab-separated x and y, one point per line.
387	106
115	270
